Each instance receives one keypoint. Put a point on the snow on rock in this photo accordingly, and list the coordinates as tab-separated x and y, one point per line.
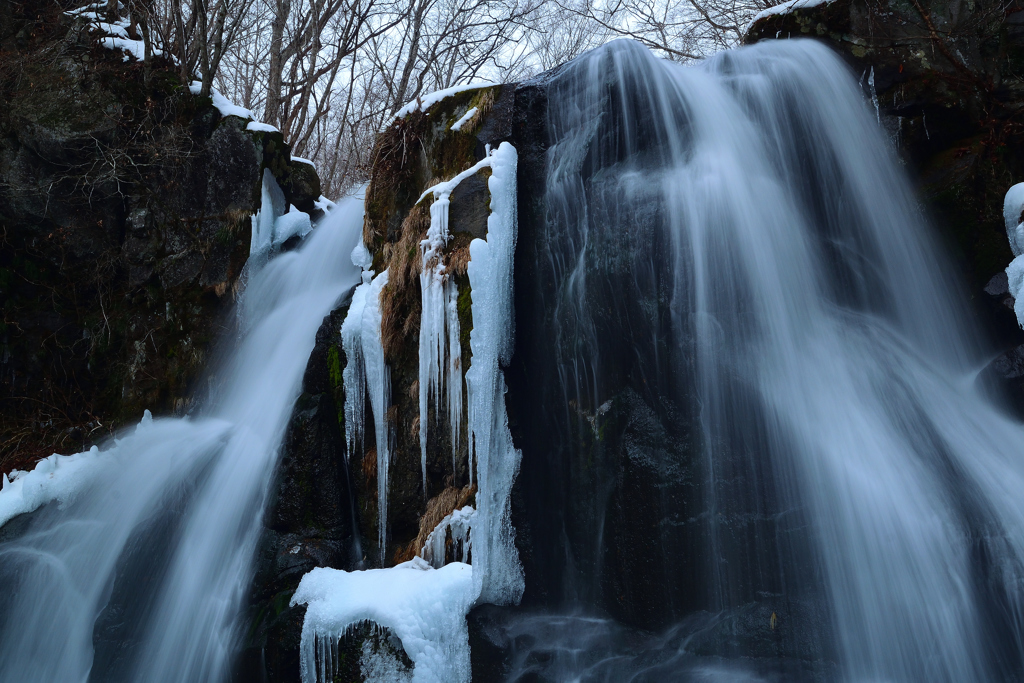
367	372
785	8
293	223
258	126
117	37
303	161
1013	207
465	117
326	205
425	607
427	101
56	478
459	523
223	104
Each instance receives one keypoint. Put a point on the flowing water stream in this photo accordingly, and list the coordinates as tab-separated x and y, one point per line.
141	576
745	305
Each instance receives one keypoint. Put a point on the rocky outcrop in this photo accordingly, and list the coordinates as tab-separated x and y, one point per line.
125	206
325	508
417	152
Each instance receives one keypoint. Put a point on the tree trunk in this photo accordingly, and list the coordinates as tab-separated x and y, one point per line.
273	107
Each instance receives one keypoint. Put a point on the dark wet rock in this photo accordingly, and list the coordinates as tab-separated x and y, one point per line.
125	207
309	520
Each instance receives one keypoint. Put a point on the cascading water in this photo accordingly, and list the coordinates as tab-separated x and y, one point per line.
746	389
140	576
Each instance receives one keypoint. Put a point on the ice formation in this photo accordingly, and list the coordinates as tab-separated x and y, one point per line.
1013	207
293	223
498	577
427	101
465	117
272	207
440	352
366	371
426	607
381	667
56	478
459	523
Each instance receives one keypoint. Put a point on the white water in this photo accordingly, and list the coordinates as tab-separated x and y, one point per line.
140	576
823	345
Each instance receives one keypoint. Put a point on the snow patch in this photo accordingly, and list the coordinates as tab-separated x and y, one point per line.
425	607
785	8
326	205
1013	206
56	478
117	37
465	117
427	101
293	223
258	126
303	161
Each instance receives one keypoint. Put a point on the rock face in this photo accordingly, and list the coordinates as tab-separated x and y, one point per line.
124	226
325	510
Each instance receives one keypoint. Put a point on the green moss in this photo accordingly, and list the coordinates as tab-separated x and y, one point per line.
465	308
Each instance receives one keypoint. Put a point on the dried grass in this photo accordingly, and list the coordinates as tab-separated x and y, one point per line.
438	507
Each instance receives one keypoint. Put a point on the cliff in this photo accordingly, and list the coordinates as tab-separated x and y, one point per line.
125	206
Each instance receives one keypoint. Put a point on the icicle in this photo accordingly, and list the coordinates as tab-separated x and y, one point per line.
440	353
354	375
498	575
874	95
366	371
378	378
458	523
433	318
453	378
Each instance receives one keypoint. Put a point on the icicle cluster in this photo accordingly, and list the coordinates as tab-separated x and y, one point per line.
439	323
366	371
459	523
424	606
440	350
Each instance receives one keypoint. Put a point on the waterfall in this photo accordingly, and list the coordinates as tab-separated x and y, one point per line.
140	574
740	301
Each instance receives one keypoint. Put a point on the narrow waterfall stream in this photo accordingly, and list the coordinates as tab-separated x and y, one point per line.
140	576
749	404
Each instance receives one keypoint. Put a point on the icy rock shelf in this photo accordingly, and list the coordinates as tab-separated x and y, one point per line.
425	605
